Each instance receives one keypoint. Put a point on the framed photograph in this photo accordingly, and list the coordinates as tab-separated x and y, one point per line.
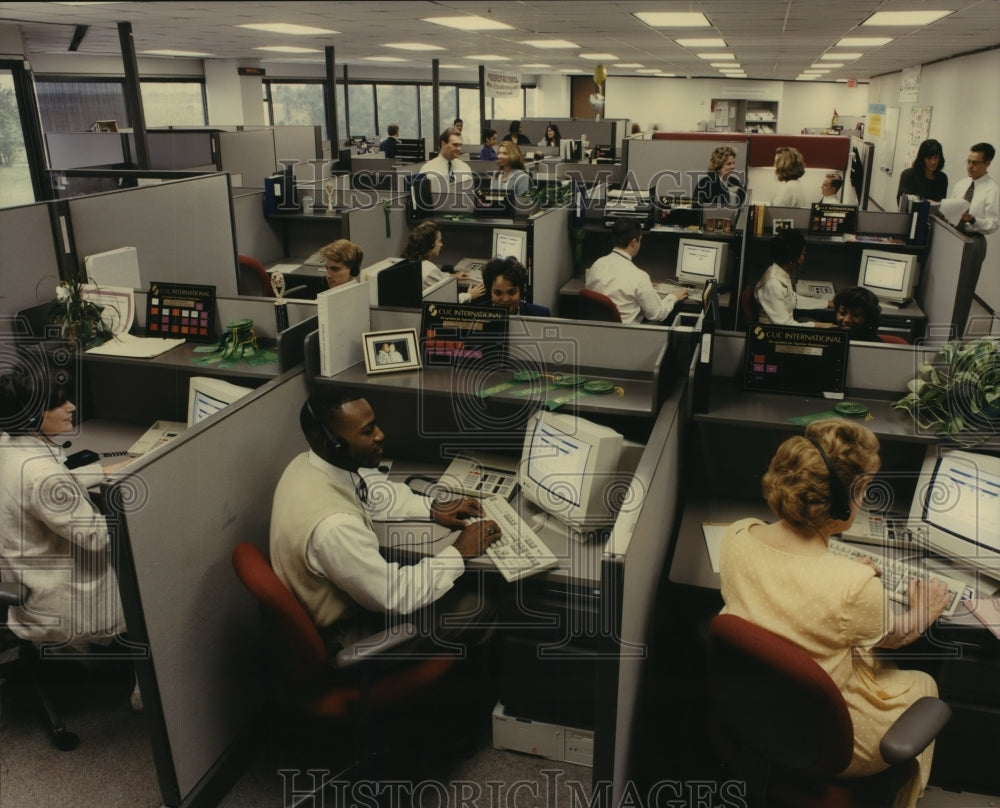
391	351
782	224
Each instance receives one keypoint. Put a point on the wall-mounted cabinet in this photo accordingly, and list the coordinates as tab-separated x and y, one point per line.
740	115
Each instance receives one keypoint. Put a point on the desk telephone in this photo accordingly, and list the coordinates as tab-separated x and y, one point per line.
315	260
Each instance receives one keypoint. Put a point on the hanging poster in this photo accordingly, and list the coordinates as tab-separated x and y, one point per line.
909	84
917	132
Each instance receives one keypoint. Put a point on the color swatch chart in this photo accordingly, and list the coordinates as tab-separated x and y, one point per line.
184	311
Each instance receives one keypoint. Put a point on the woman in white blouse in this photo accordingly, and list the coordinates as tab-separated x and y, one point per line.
775	291
424	246
789	166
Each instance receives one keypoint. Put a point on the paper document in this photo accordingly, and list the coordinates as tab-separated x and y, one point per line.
713	541
952	209
135	347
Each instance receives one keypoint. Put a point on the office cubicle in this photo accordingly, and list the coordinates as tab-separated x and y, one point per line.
674	162
30	262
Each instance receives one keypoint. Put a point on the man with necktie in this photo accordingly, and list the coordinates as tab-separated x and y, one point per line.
982	193
325	551
448	172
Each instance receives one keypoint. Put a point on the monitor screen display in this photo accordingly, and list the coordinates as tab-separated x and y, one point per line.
508	243
699	261
207	395
889	276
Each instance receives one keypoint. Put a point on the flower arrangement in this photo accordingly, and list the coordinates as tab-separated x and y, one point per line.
79	319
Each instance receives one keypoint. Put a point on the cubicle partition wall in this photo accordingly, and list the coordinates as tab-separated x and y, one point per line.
201	682
250	154
254	236
551	255
30	263
949	281
608	131
182	230
180	149
821	153
677	160
85	149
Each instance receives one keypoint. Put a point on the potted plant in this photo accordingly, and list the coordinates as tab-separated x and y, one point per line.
79	319
957	394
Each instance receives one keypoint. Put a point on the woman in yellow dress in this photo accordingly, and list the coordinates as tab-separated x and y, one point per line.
782	577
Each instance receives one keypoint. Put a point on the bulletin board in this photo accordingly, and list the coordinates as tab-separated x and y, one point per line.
917	131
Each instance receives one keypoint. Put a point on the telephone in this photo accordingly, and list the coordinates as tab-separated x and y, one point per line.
159	433
315	260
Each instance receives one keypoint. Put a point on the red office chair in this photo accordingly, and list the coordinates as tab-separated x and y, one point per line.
324	688
595	306
254	268
780	721
893	339
748	306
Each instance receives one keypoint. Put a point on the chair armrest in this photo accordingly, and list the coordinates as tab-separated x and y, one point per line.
375	645
13	594
301	291
914	730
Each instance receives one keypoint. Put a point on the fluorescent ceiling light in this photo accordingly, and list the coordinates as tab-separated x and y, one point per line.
488	57
598	57
730	69
704	42
673	19
168	52
832	57
905	19
649	70
562	44
668	75
286	28
287	49
569	70
724	64
537	64
412	46
863	42
628	64
805	77
814	72
384	59
708	57
831	65
469	23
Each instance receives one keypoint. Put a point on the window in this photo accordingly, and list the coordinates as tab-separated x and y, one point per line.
173	103
72	106
512	108
361	98
468	109
397	103
15	176
296	104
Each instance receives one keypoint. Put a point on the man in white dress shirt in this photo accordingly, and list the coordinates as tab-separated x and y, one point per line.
324	549
629	287
983	193
448	172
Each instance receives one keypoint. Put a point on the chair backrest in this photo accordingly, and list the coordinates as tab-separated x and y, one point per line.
893	339
595	306
775	699
303	653
254	267
748	306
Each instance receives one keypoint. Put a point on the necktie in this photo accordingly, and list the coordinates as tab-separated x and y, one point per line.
451	172
969	191
361	489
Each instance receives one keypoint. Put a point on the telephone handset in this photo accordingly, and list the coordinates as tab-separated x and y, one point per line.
315	260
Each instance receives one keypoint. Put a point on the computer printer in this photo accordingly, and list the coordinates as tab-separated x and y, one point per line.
623	204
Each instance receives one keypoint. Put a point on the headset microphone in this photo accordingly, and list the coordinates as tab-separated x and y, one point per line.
332	439
67	444
840	501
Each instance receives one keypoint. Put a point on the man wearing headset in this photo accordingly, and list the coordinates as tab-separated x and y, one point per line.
342	260
324	549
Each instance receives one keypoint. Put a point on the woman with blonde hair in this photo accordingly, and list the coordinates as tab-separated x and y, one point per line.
425	245
721	186
511	175
782	577
789	166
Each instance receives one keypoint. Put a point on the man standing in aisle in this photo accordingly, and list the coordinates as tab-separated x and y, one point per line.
629	287
983	194
448	172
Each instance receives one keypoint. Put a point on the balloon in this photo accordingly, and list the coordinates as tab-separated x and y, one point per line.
600	74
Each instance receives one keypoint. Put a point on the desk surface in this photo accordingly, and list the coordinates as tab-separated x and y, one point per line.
184	357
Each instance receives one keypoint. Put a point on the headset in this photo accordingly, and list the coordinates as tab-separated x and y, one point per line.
335	445
840	500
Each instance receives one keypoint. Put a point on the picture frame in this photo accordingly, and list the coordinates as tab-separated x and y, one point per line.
782	224
391	351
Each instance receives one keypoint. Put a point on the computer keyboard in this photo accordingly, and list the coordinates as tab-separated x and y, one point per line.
821	289
518	552
897	574
664	289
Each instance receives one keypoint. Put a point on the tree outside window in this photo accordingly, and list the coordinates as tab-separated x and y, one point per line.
15	178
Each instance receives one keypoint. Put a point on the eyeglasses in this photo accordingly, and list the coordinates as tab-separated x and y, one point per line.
974	162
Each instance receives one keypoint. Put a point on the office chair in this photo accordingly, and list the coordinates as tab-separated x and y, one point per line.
893	339
256	269
748	306
780	721
26	667
595	306
330	689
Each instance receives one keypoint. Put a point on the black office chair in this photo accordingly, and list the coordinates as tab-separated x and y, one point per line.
25	668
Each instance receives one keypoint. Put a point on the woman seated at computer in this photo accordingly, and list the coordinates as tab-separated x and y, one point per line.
425	245
52	538
507	282
511	175
926	177
721	186
552	136
782	577
343	262
857	310
789	166
775	291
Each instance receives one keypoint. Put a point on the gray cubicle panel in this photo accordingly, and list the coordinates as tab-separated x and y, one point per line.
250	154
255	236
177	150
84	149
183	230
30	267
631	569
302	143
182	510
685	160
607	131
551	254
948	282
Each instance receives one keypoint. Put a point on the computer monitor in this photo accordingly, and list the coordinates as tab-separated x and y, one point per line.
511	243
569	468
889	276
208	395
699	260
957	506
401	285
